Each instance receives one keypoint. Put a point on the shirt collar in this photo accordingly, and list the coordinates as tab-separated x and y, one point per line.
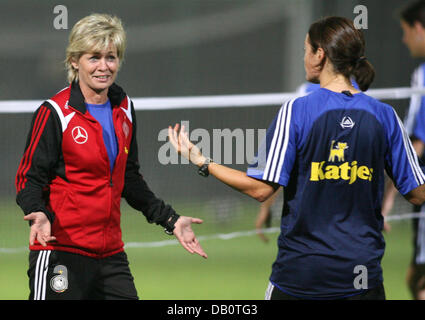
76	100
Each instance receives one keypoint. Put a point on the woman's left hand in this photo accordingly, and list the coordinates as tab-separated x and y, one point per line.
181	142
184	233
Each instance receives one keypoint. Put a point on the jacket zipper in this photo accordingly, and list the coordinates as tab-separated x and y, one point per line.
111	183
98	125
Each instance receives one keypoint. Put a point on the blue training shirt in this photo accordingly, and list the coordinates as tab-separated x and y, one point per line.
329	150
103	114
416	122
419	129
416	101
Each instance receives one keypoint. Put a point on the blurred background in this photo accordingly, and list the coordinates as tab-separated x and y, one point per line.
186	48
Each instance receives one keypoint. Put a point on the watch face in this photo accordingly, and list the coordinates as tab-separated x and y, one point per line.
203	171
170	233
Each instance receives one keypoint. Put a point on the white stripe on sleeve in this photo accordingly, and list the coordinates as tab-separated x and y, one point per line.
411	154
279	143
285	144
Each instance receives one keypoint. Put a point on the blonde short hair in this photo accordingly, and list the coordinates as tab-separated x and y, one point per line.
94	33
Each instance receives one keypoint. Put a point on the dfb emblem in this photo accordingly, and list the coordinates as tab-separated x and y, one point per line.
79	135
59	283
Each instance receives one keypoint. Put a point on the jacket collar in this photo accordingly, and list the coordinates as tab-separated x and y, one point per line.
76	99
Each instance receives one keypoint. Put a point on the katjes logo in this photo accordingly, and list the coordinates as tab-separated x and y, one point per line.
338	152
348	171
79	134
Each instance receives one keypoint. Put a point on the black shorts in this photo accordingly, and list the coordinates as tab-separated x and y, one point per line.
58	275
378	293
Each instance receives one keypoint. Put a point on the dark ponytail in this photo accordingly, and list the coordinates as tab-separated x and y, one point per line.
344	46
364	73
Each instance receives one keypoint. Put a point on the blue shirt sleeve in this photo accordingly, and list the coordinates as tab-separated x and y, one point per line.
401	158
277	152
416	101
419	130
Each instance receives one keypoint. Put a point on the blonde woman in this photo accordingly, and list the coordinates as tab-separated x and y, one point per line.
80	158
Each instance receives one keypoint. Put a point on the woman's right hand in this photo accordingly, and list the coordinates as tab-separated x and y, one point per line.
181	142
40	228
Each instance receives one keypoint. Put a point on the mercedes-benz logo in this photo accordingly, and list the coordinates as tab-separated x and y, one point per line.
79	135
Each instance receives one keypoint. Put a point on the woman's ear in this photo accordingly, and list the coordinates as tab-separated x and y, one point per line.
74	63
319	58
320	55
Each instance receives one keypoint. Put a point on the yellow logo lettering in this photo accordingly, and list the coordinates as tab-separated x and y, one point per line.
353	176
346	171
317	171
332	173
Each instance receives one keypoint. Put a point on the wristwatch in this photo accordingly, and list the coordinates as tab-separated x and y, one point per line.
169	224
203	170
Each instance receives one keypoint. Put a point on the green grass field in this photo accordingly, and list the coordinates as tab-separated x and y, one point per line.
236	269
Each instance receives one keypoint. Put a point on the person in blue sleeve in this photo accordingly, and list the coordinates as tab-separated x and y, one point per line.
412	20
329	151
264	215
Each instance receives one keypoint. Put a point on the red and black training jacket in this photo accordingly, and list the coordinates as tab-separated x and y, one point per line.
65	173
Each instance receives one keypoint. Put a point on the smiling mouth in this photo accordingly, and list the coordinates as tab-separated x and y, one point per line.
102	78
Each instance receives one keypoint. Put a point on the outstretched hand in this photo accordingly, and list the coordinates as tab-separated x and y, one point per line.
181	142
40	228
185	235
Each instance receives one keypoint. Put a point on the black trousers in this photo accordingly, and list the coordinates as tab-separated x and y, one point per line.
58	275
377	293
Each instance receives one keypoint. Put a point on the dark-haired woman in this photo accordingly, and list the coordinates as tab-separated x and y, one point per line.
329	151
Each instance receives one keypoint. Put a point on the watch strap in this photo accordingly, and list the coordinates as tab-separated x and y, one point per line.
203	170
169	224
